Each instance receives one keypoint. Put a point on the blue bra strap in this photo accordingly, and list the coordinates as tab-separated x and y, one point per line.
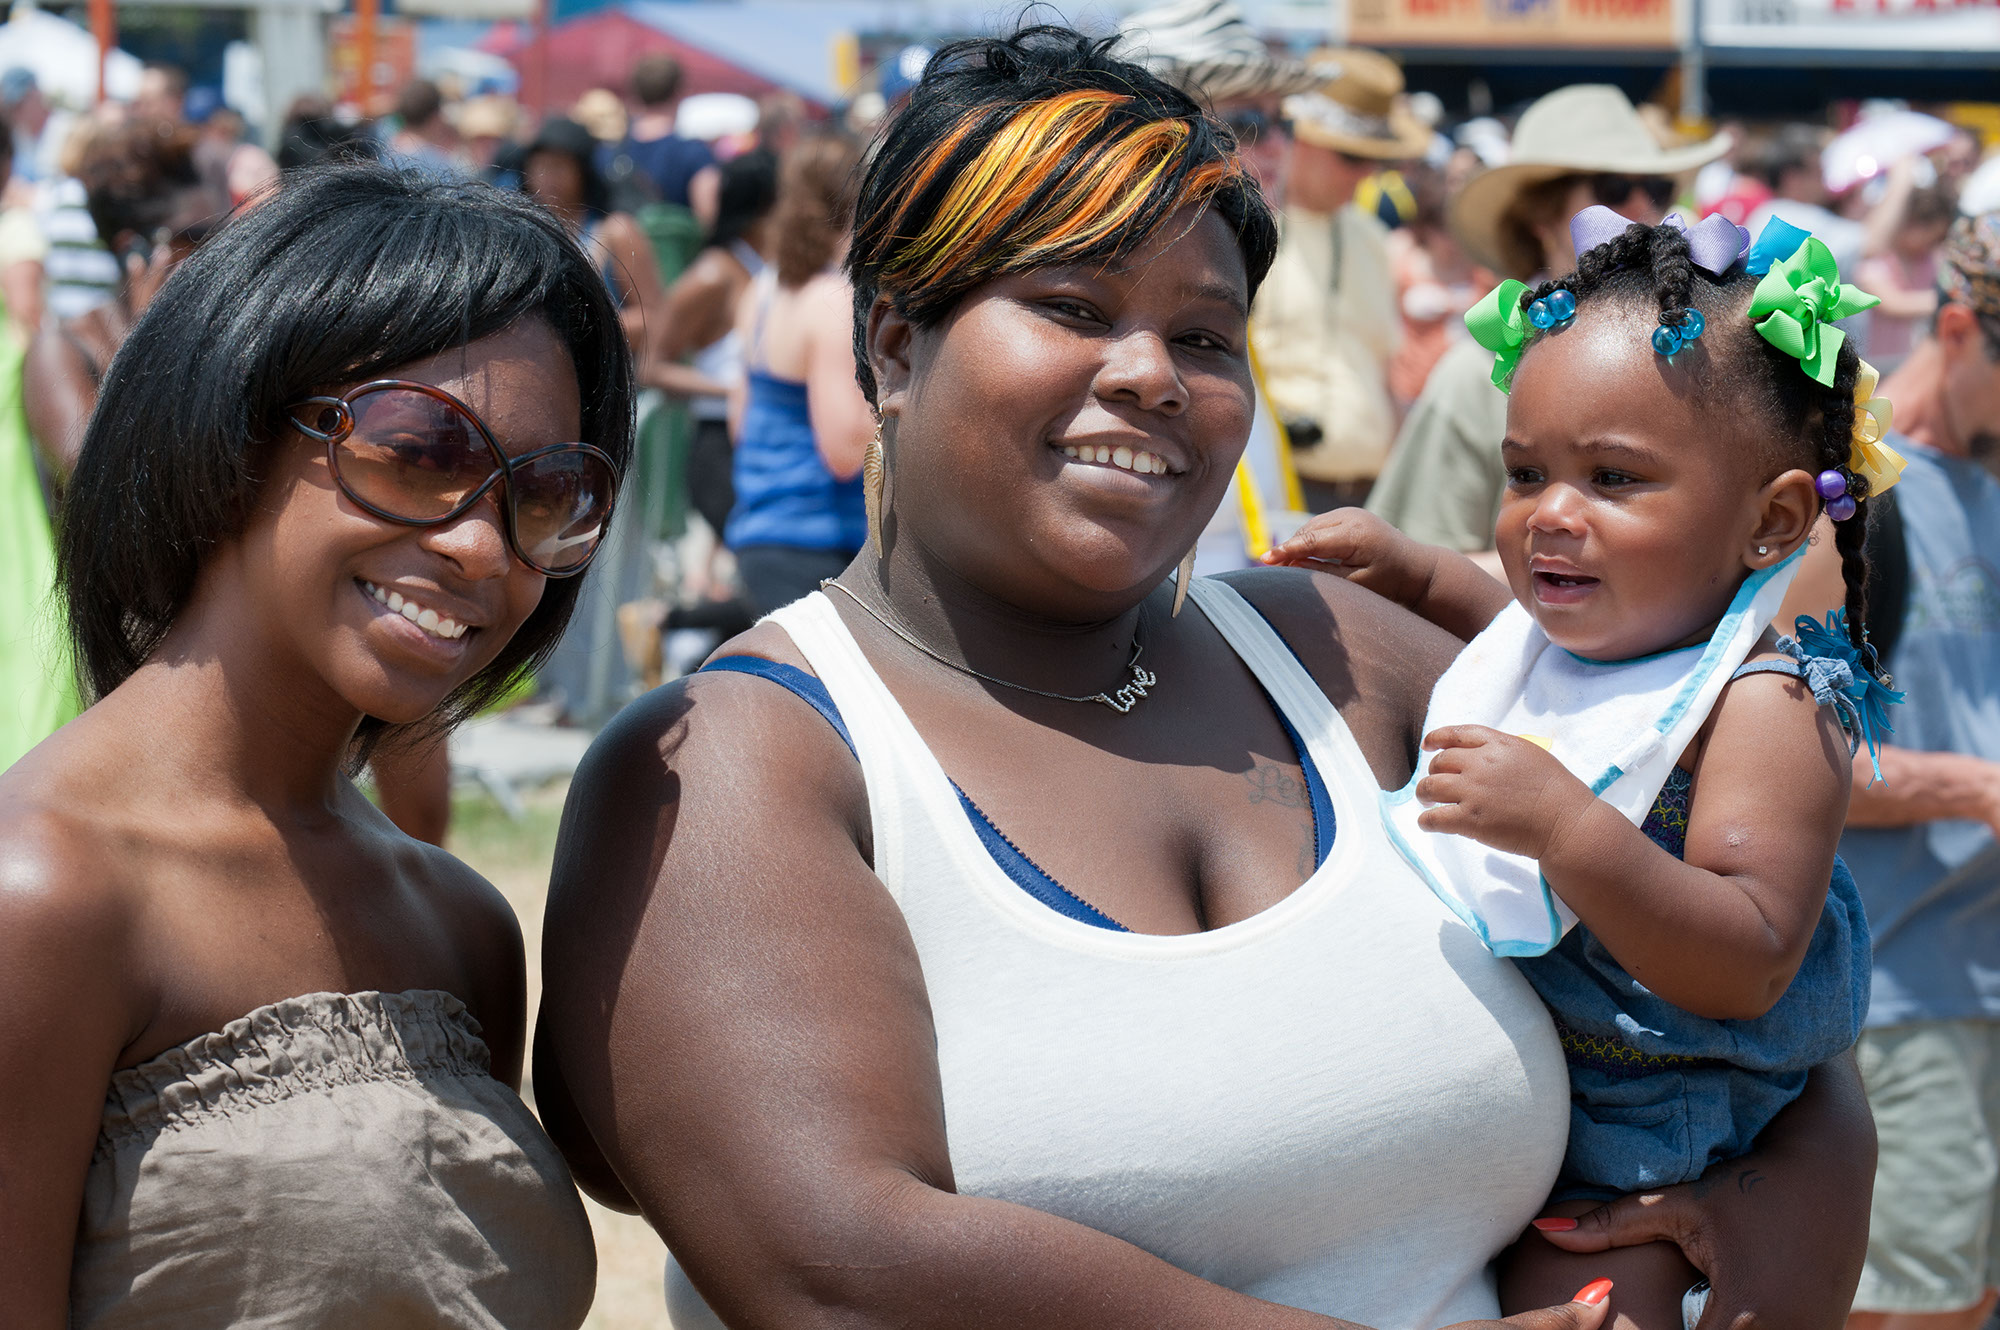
1028	875
793	680
1023	871
1316	792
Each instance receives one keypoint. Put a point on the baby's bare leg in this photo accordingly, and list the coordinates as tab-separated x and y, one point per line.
1648	1281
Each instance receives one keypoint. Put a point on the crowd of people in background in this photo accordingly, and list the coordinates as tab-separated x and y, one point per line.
719	227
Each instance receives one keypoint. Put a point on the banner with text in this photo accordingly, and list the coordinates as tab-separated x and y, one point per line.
1581	24
1855	25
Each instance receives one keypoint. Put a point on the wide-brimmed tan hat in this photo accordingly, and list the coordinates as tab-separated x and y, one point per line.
1361	111
1585	129
1206	47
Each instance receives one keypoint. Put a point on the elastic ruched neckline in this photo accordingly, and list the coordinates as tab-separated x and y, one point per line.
301	1045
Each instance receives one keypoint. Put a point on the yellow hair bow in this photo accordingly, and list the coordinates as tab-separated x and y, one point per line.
1871	457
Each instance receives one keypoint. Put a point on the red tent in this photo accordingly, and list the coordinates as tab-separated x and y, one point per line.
599	50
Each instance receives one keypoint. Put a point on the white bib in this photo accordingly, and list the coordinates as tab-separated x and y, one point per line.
1619	726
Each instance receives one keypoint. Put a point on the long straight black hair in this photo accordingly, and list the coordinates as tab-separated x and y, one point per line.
343	273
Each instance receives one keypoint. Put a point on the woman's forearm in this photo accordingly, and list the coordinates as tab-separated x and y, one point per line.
1918	787
914	1256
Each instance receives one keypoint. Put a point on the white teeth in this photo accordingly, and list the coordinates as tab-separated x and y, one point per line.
427	619
1124	458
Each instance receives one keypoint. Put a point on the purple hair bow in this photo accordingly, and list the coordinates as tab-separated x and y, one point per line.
1714	244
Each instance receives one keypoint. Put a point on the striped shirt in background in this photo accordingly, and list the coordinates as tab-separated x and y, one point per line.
82	273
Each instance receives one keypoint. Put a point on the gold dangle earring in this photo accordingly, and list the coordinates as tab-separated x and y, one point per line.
872	481
1182	576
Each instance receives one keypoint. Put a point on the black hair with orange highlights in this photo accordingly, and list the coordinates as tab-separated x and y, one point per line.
1021	152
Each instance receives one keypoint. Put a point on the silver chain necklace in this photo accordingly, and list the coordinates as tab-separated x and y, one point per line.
1121	701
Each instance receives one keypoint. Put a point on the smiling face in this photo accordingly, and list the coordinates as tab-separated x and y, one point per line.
1635	503
1061	438
391	618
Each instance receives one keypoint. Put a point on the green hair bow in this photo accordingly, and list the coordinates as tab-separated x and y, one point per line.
1497	324
1796	303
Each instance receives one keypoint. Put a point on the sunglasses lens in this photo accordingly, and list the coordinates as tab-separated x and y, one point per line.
1615	190
561	501
411	456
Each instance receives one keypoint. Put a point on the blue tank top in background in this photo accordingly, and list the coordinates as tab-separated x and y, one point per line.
1933	890
784	493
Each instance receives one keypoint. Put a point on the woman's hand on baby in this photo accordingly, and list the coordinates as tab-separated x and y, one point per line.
1586	1311
1500	789
1364	549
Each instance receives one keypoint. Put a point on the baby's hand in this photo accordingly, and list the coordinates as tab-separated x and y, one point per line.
1364	549
1501	790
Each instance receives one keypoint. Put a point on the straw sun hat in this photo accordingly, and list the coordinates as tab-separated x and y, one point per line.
1585	129
1361	111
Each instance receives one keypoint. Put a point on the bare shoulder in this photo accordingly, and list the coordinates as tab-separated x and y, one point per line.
1374	659
1770	724
69	907
719	735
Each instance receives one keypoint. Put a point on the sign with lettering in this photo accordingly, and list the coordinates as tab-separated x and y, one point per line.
1879	25
1518	23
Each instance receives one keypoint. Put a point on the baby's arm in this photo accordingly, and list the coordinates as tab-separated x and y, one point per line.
1721	934
1442	585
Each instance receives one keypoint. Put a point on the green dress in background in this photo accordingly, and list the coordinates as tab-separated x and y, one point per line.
37	685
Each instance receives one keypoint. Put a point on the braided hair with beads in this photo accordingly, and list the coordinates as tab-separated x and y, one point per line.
1809	426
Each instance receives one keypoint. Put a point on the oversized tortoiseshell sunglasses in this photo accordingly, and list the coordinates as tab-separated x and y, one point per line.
411	453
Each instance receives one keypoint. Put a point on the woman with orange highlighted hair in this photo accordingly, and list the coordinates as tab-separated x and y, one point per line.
1006	935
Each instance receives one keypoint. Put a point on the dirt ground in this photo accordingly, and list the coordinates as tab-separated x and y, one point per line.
515	857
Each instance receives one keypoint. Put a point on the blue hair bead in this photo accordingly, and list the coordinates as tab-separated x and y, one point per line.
1541	315
1562	304
1665	340
1830	484
1693	325
1841	509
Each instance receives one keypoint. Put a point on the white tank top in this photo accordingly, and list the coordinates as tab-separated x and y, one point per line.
1343	1103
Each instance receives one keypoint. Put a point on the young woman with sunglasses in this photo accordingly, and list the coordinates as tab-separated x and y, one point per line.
263	1048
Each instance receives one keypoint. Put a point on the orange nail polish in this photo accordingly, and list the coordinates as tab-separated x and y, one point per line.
1555	1225
1593	1293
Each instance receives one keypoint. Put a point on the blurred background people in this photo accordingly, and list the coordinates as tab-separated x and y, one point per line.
162	94
313	131
798	417
1207	48
1905	277
1325	323
664	160
424	139
698	363
561	172
22	251
699	353
235	167
1921	841
1575	147
151	207
37	686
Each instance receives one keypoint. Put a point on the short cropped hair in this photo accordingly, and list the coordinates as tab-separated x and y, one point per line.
419	103
1023	152
656	80
344	273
